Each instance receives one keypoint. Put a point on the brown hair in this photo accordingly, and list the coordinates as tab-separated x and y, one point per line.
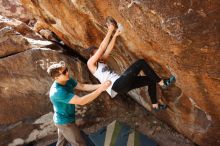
111	20
54	69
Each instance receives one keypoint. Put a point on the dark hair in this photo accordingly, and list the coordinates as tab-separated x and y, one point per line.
54	69
91	50
111	20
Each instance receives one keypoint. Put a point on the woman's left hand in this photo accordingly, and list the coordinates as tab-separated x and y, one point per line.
118	32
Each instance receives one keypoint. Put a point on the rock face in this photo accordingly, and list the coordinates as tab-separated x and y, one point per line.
14	9
180	38
24	85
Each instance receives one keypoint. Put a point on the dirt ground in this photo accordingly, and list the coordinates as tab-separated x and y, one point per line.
163	134
138	118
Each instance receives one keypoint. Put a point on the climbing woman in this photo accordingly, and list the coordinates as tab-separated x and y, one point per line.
129	79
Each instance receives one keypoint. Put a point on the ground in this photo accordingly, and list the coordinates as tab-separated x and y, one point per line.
136	117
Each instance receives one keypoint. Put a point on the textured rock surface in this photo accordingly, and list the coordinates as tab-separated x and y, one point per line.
24	85
14	9
11	42
19	26
182	36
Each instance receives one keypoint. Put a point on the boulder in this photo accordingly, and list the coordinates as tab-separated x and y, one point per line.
14	9
24	91
179	38
25	108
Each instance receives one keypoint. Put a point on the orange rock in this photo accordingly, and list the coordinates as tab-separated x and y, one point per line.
173	34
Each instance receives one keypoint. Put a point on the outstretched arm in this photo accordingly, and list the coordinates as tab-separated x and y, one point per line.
92	61
91	96
87	87
111	44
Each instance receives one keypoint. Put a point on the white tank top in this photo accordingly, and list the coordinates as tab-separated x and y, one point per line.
103	73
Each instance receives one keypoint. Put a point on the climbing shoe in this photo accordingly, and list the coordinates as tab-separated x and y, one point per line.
168	82
110	20
160	107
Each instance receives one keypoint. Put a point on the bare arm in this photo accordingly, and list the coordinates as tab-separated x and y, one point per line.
90	97
111	44
92	61
87	87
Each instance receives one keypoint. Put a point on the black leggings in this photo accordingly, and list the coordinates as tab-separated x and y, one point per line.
130	80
